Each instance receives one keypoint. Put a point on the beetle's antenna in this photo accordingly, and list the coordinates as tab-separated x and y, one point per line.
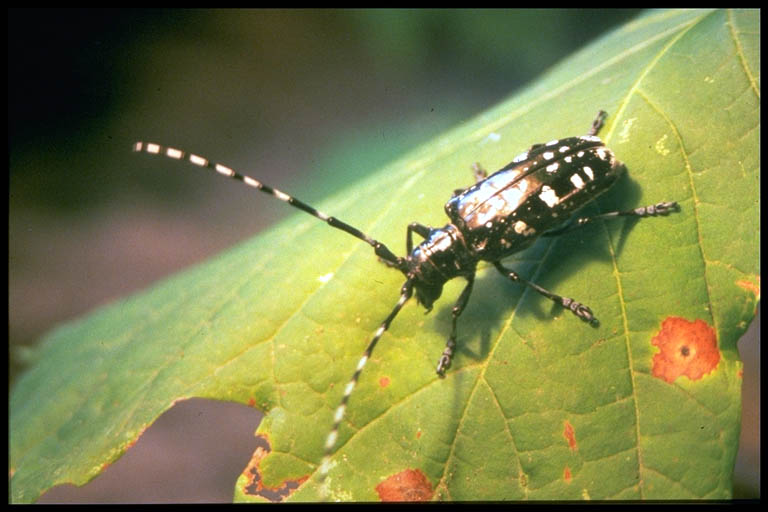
381	250
330	443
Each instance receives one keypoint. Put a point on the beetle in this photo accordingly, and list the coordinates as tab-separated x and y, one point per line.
535	195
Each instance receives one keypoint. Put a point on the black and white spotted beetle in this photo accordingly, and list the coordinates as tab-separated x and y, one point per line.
499	215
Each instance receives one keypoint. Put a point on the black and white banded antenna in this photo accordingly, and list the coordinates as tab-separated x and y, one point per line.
381	250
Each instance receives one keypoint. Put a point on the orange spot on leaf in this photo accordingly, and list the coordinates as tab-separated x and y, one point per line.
687	348
750	286
408	485
251	402
570	436
384	382
567	475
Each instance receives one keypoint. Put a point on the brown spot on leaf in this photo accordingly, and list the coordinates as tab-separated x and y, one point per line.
570	436
567	475
384	382
418	434
255	486
251	402
408	485
686	348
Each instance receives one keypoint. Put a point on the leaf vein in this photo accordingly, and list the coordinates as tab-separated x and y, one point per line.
740	53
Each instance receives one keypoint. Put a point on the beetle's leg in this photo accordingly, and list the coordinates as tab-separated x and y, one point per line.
644	211
479	174
458	309
577	308
597	124
420	229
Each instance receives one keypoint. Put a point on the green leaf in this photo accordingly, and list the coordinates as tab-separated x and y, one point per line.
537	404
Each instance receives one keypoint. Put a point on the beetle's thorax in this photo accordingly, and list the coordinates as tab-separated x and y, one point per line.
442	256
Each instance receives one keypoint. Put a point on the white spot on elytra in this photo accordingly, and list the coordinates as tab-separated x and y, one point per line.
568	159
553	167
493	199
552	143
548	155
577	181
564	149
601	153
548	196
174	153
521	228
588	171
153	148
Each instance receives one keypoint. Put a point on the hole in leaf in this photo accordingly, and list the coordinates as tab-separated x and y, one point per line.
192	453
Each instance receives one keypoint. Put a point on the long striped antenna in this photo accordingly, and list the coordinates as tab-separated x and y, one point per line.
381	250
330	443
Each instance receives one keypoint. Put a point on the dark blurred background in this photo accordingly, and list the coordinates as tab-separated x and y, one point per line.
307	100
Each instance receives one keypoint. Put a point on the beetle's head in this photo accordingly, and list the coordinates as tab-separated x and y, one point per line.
427	293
